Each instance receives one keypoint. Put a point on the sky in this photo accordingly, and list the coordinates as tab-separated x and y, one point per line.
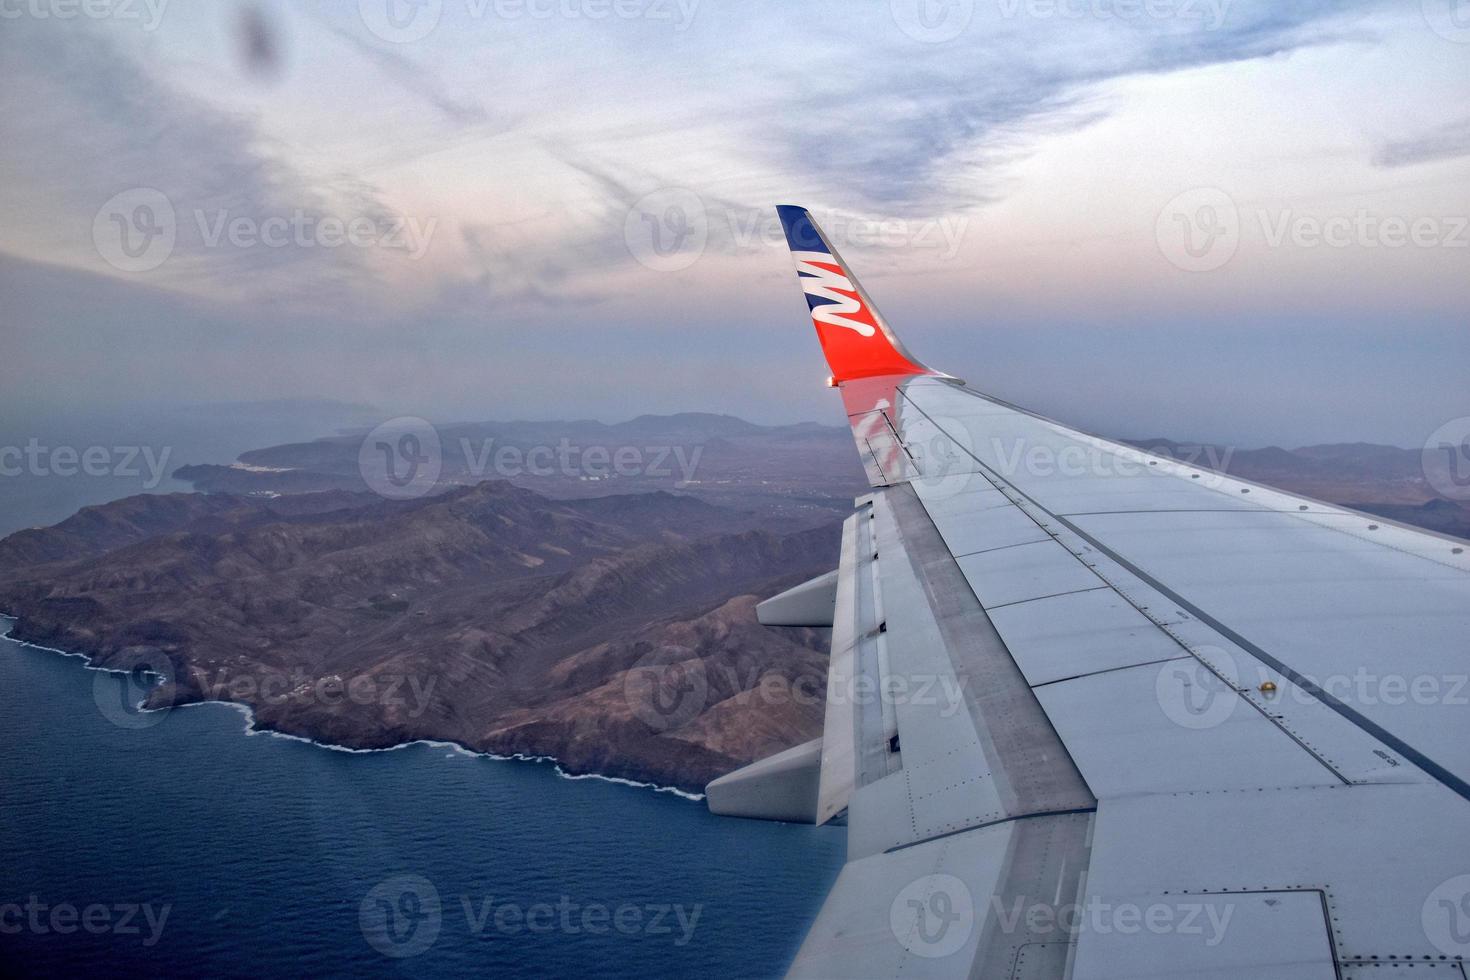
1229	220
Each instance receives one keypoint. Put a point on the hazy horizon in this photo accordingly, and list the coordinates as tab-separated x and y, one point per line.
330	418
1233	221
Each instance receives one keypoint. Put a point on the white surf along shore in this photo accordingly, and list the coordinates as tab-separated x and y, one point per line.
7	623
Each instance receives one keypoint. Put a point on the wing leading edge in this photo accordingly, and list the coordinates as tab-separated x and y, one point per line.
1126	717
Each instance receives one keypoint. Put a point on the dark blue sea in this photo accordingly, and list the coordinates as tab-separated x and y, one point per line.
176	844
53	463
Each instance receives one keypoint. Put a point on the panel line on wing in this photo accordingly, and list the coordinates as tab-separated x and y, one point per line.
1363	723
993	823
1028	504
1303	513
1000	547
1146	510
1109	670
1440	773
1051	595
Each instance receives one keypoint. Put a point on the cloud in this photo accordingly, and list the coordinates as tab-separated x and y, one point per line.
890	126
536	292
86	120
417	80
1448	142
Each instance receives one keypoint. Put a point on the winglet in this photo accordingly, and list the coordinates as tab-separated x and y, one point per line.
854	337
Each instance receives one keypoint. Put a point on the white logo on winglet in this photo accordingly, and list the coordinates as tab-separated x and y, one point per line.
824	283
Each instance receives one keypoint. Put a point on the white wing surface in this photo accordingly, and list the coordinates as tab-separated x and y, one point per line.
1095	713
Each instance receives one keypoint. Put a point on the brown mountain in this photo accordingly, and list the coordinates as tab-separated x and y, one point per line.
487	615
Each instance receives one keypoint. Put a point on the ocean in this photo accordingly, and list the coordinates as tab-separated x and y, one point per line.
177	844
149	845
54	463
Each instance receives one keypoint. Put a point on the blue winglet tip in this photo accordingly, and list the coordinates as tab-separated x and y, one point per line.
801	232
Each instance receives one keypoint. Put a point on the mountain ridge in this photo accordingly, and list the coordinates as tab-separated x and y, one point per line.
516	616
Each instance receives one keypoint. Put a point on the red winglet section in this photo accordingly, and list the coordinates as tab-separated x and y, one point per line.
856	341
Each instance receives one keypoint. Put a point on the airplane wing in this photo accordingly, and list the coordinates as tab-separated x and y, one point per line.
1097	713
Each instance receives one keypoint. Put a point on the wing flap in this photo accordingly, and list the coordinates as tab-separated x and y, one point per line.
780	787
851	621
